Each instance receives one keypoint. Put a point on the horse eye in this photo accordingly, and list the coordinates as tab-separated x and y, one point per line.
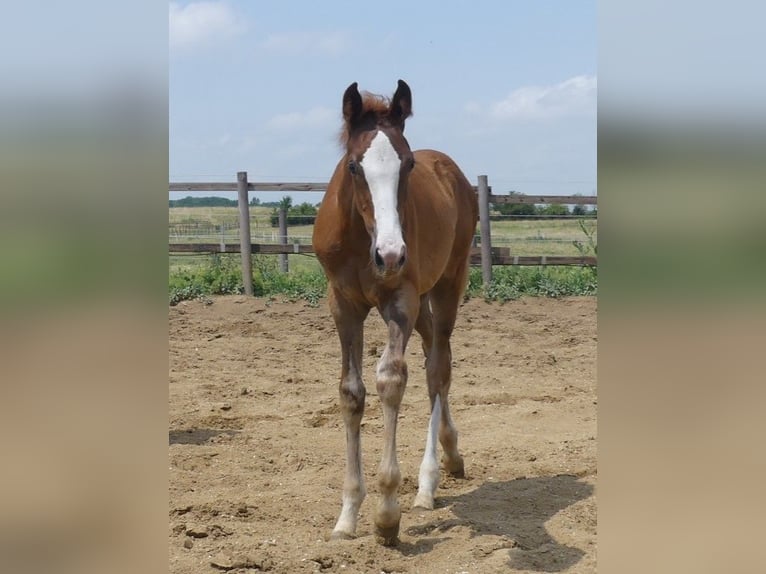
352	167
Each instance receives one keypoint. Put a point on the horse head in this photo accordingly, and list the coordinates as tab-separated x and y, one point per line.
379	163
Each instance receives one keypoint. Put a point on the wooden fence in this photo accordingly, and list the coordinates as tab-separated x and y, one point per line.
484	255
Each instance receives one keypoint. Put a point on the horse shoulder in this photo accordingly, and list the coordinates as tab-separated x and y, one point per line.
330	225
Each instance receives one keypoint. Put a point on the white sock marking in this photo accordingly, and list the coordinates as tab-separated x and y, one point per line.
428	478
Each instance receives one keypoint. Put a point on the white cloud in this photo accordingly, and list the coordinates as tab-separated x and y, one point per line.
573	97
317	117
200	22
329	44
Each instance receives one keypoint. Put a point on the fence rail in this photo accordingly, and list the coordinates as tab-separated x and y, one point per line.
500	255
484	255
513	199
519	199
224	186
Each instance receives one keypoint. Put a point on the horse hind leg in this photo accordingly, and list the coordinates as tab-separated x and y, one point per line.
441	425
428	478
445	313
444	302
424	325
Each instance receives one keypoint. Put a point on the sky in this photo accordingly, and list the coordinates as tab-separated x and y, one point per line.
508	89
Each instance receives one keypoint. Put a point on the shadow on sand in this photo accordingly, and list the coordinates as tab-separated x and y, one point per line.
195	436
518	509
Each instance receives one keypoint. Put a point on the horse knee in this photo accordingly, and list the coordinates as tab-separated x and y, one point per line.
352	397
389	479
445	331
391	380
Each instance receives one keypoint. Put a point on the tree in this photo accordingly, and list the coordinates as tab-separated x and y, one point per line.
304	208
213	201
581	210
514	208
554	209
303	214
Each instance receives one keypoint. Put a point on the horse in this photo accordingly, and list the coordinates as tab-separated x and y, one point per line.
394	231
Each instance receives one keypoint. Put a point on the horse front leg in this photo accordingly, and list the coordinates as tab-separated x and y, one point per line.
349	320
400	315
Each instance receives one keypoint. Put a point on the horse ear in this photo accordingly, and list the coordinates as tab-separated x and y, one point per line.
401	103
352	104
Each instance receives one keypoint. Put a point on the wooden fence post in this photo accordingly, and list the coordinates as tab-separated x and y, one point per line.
283	237
244	232
486	242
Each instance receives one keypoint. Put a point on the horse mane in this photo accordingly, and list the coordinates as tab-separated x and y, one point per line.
372	104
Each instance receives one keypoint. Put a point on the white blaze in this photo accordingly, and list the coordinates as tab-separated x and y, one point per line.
381	166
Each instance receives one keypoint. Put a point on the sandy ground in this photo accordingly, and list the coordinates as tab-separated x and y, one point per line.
256	450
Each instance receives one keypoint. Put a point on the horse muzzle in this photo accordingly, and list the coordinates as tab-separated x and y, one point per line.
390	260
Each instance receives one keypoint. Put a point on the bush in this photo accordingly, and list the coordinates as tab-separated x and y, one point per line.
515	208
222	275
554	209
309	286
510	282
303	214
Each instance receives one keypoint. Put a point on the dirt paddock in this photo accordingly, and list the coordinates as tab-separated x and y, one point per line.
257	452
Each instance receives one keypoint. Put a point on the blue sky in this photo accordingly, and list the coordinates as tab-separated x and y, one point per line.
508	89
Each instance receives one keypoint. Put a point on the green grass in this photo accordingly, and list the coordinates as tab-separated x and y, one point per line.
511	282
542	237
221	274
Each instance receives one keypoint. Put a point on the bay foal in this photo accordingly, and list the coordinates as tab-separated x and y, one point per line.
394	232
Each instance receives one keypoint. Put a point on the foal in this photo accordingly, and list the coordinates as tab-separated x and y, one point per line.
394	232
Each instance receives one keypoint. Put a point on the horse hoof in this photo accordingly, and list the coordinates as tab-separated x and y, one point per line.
423	501
340	535
455	468
457	473
387	535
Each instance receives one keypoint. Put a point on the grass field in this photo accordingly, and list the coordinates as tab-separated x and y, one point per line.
203	225
199	275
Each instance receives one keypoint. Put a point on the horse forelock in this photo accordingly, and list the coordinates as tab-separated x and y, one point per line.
375	107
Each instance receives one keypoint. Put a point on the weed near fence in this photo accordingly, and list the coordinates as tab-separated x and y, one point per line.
221	274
